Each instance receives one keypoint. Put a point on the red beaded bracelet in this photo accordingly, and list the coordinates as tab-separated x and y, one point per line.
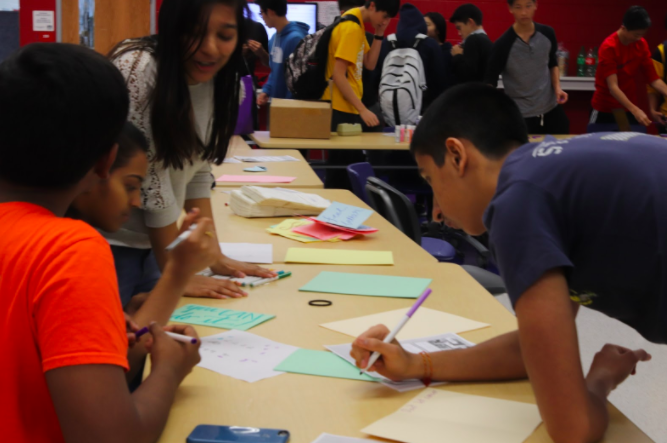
428	368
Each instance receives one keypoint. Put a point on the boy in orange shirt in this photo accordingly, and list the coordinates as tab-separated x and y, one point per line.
63	338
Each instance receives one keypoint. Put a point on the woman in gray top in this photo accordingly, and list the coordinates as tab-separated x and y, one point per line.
184	96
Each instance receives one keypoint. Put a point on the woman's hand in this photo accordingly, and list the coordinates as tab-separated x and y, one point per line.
239	269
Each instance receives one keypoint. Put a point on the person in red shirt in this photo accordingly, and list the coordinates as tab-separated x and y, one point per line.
621	56
63	337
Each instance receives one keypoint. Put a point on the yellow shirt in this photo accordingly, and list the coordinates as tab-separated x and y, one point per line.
348	42
660	70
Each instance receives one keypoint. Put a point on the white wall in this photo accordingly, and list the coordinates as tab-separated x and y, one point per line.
9	5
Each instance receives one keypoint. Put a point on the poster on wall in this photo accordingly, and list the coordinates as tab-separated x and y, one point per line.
43	21
327	12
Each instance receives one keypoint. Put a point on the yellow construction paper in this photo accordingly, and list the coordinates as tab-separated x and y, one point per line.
436	416
424	323
284	229
339	256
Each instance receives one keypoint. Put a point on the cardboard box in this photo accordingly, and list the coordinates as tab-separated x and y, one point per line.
300	119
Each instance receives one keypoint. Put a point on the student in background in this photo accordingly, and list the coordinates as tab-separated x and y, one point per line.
64	340
621	56
185	99
658	111
553	221
370	95
256	46
436	27
410	23
256	39
471	55
349	53
288	35
525	55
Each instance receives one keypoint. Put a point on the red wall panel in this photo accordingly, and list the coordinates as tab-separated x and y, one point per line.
25	21
576	22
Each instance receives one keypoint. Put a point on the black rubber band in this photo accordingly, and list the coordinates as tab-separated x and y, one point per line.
320	303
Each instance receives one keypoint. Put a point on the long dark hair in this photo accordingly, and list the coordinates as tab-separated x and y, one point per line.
183	25
440	24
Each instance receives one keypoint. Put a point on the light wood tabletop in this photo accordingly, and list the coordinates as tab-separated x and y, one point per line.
367	140
308	405
232	228
305	176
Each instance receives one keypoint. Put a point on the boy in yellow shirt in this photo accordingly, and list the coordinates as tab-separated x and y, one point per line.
349	53
658	111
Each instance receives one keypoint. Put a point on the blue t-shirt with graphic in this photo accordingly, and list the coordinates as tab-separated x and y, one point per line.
595	206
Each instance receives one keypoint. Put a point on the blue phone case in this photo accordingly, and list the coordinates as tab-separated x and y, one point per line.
236	434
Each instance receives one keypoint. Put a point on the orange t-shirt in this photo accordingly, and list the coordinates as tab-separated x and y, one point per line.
59	306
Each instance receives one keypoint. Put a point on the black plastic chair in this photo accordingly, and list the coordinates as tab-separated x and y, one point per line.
398	209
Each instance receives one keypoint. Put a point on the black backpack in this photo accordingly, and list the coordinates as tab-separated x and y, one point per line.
306	67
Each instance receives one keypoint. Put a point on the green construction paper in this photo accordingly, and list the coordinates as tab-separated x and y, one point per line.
367	284
218	317
322	363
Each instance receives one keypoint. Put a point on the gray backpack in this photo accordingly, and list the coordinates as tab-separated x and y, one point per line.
402	83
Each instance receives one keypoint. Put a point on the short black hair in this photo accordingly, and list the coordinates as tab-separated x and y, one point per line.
511	2
391	7
346	5
636	18
277	6
440	24
479	113
130	142
62	107
466	12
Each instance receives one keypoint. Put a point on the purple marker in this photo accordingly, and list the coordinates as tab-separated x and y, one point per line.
399	326
177	337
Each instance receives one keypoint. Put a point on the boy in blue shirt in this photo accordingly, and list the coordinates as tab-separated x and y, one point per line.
571	222
282	44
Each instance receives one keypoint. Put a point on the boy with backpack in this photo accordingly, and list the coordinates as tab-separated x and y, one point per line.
658	112
288	35
410	75
348	54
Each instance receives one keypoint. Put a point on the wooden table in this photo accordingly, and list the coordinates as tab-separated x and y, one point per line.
368	141
309	405
305	176
232	228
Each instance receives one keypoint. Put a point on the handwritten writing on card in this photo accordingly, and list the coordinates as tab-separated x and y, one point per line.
345	215
218	317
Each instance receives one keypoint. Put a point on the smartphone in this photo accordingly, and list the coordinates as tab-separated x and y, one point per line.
236	434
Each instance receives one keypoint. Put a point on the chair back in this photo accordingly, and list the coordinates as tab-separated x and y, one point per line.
358	173
612	127
394	206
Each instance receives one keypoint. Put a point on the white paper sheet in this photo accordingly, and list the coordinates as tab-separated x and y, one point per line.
330	438
442	342
231	160
424	323
266	158
249	252
243	355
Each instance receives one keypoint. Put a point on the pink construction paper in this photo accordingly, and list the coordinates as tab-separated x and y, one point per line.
322	232
256	178
341	228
